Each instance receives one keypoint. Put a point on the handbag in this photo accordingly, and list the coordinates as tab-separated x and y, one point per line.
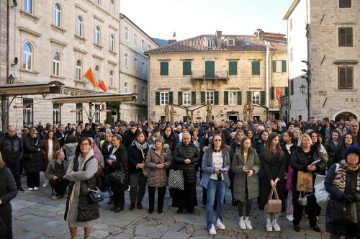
176	179
118	177
273	205
95	196
304	182
338	212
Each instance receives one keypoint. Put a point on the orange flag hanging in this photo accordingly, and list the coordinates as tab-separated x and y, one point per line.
102	85
89	75
278	94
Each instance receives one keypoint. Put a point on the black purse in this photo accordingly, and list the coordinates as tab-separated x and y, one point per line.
118	177
95	196
338	212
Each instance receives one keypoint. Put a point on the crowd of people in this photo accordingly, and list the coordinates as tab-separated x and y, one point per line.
250	159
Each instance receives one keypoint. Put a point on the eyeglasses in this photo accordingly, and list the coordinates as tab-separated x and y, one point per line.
217	140
84	144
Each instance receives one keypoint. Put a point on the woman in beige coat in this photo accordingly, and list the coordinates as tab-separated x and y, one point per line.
158	159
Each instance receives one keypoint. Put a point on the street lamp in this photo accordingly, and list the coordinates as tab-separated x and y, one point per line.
302	89
10	79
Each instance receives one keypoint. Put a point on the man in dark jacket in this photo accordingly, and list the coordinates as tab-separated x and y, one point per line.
11	150
60	135
186	156
130	135
88	132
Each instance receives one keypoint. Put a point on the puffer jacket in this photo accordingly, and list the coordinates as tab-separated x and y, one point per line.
183	152
32	155
135	157
11	147
157	176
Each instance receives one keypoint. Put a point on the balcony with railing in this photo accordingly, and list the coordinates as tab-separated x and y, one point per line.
213	76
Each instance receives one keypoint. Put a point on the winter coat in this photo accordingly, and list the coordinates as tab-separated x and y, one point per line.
241	179
8	190
332	186
90	133
331	150
171	141
32	155
183	152
45	149
51	169
208	169
129	137
299	162
11	148
273	168
121	163
135	157
70	149
259	146
157	177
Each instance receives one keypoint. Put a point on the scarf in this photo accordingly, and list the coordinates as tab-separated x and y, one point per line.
141	147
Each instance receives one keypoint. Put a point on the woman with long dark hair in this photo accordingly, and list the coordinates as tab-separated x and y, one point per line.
345	143
273	164
245	165
235	147
215	165
81	173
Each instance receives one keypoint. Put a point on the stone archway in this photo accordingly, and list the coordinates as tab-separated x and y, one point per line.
345	115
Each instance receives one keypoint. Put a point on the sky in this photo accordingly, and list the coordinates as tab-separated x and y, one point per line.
191	18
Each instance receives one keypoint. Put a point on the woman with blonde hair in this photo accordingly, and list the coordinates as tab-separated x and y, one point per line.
8	191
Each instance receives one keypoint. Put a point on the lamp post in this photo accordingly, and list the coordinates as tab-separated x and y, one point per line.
5	105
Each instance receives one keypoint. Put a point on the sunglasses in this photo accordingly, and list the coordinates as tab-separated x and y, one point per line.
217	140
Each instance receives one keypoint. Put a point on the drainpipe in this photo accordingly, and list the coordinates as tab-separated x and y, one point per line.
267	62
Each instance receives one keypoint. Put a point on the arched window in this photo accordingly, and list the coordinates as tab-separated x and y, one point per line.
56	64
97	35
57	15
27	57
28	6
111	78
112	40
79	26
78	70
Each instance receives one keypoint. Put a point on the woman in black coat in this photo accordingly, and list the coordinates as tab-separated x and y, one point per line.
8	191
301	160
118	161
273	165
33	158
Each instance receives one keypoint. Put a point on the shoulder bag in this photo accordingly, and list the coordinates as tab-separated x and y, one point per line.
118	177
176	179
273	205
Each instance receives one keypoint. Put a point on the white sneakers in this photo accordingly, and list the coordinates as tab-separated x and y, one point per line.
30	189
212	230
36	188
276	226
245	224
44	185
290	218
220	225
269	227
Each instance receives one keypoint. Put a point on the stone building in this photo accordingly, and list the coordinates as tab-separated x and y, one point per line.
324	51
59	41
134	68
228	71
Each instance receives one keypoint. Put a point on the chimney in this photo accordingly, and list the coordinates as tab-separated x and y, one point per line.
171	41
259	33
218	39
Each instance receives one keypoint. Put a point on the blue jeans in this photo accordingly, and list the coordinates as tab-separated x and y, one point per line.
218	187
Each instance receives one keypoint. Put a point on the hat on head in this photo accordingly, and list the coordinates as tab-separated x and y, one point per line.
352	149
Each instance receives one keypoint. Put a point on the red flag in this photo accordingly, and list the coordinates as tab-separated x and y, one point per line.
278	94
102	85
89	75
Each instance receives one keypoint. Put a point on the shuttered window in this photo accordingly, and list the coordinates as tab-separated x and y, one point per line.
345	36
164	68
232	67
186	68
255	68
210	69
279	66
345	77
344	3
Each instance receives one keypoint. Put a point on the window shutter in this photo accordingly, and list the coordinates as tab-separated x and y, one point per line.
232	67
186	68
171	96
216	97
226	97
180	100
262	96
274	66
193	97
239	98
210	69
283	66
203	97
286	90
157	98
164	68
255	65
248	96
272	95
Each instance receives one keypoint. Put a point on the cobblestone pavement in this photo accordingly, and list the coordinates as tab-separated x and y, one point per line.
36	215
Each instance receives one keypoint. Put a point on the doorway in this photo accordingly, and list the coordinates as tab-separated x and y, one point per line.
233	118
345	116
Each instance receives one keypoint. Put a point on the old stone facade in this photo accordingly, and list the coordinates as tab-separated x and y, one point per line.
228	71
62	45
3	55
134	68
333	53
